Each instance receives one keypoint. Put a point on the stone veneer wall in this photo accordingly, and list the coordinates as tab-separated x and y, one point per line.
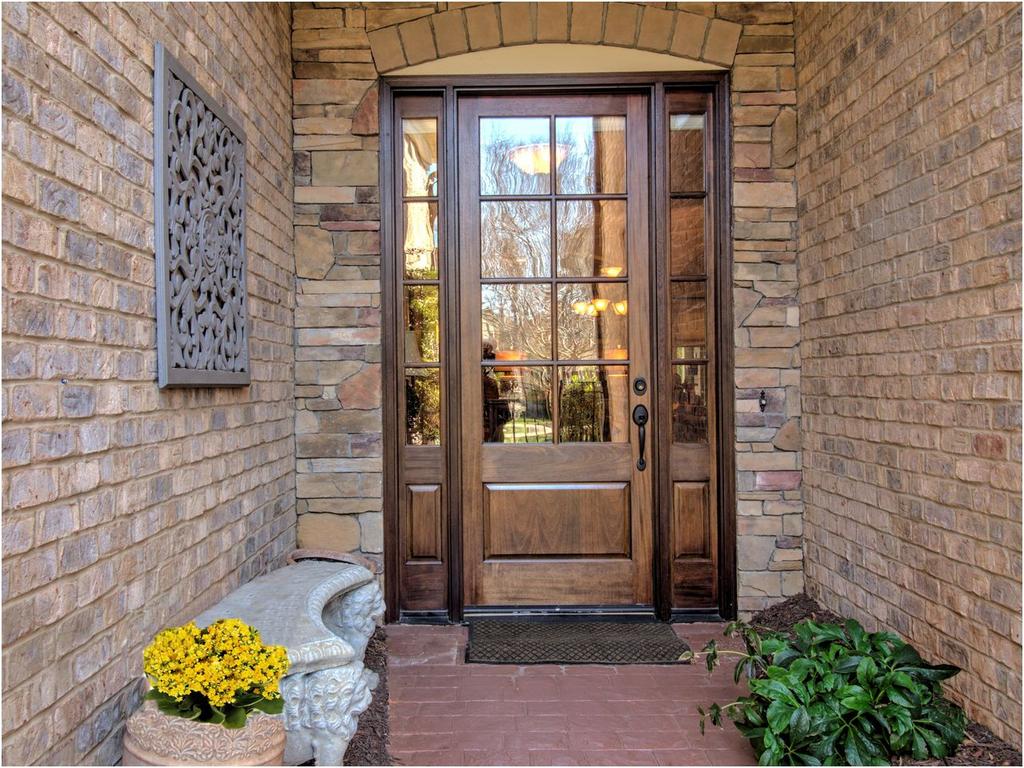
910	287
126	508
339	49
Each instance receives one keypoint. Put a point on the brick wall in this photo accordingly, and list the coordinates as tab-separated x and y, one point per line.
338	52
126	508
910	213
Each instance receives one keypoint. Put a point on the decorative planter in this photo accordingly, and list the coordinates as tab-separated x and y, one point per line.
153	738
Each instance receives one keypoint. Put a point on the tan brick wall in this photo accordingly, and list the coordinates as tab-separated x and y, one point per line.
910	214
338	52
126	508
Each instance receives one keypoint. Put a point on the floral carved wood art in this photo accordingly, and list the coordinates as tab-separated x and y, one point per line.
202	323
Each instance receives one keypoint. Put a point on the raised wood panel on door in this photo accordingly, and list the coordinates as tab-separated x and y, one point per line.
529	520
694	546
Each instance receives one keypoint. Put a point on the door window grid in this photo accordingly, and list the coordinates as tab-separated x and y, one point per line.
421	281
688	277
591	391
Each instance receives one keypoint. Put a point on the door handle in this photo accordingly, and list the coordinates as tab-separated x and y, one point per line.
640	418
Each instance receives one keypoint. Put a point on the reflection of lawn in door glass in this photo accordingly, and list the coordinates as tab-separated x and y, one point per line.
527	430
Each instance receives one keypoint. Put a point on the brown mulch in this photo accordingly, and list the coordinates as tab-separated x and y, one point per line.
782	616
980	746
369	745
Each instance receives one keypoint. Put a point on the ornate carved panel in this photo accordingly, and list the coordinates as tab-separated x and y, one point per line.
202	313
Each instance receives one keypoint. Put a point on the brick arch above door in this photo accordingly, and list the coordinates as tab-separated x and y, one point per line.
709	39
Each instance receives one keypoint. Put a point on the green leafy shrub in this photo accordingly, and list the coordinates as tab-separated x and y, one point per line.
832	695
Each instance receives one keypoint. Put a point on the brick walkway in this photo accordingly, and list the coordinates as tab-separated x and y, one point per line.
446	712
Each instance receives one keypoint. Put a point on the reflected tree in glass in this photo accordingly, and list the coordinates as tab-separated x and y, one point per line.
422	406
516	320
593	404
515	239
517	403
515	156
422	325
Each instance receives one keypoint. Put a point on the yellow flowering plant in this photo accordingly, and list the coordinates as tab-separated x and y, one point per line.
215	675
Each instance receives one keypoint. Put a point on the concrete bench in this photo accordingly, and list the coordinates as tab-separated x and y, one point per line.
324	614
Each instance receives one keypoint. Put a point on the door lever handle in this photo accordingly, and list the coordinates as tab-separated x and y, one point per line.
640	418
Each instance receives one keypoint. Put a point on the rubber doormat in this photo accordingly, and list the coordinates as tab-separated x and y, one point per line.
513	641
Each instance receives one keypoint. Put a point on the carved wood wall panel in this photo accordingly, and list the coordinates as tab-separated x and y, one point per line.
202	312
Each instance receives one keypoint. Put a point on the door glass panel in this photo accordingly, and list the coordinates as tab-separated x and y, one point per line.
593	404
686	153
591	238
689	404
590	154
687	237
422	406
420	245
516	321
422	332
515	156
689	326
592	321
419	156
515	239
517	404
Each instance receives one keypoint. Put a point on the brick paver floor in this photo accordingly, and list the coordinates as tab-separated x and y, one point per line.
446	712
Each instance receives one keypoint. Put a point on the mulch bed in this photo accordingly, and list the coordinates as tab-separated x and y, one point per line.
980	747
369	745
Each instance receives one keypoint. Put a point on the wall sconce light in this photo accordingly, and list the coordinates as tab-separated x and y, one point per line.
762	401
601	304
620	307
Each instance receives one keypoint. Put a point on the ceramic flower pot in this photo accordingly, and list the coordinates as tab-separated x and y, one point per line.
153	738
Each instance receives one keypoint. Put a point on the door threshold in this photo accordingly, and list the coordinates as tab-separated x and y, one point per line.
563	613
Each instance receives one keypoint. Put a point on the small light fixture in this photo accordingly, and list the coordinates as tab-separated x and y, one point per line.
580	307
601	304
762	401
620	307
535	159
611	271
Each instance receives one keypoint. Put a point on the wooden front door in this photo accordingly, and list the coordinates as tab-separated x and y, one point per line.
556	264
555	348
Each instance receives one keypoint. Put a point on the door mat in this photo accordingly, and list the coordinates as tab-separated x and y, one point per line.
514	641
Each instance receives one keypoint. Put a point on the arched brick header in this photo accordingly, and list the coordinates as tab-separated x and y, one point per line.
493	25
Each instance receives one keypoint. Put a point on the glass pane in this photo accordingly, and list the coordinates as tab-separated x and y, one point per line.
515	239
689	327
420	241
422	339
591	238
590	153
419	156
689	404
517	404
422	406
592	321
593	404
516	322
515	156
686	153
687	234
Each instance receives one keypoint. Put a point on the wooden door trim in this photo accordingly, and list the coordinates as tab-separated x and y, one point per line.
654	85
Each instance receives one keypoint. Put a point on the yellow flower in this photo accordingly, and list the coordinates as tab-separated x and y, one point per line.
221	662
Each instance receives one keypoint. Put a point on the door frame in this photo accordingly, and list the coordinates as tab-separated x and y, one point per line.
655	85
